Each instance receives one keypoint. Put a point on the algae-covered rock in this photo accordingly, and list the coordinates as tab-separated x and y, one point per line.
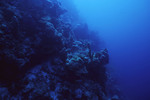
101	57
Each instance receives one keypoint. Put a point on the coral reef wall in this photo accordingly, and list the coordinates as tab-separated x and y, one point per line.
42	57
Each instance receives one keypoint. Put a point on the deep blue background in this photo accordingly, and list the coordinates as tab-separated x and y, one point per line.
124	25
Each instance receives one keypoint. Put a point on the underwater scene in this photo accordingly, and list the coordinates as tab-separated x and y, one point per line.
74	50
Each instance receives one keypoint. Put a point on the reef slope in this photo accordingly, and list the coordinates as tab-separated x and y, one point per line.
43	56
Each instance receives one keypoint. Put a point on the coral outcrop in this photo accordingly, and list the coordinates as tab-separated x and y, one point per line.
42	57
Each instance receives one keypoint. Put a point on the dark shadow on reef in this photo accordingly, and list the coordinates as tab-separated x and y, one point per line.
43	58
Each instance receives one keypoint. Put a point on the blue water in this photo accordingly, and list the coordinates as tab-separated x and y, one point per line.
124	25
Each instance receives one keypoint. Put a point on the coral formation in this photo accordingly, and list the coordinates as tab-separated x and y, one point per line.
41	57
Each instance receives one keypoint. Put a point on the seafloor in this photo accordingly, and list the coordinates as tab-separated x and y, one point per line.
43	56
